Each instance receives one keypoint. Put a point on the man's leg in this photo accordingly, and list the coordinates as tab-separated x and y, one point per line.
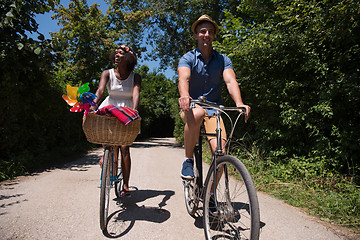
213	145
210	124
193	120
210	127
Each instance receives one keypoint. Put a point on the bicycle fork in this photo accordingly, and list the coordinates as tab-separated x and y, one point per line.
218	152
113	166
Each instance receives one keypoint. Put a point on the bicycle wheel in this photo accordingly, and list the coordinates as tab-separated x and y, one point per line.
192	190
235	215
191	193
105	188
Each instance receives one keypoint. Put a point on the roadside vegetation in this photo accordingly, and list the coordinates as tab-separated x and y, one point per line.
307	184
297	63
303	183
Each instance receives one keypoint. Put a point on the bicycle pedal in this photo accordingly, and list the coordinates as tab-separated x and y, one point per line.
187	181
215	213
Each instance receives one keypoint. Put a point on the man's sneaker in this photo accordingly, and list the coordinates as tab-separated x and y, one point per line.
187	171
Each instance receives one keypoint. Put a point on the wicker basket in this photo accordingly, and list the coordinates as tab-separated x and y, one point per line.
102	129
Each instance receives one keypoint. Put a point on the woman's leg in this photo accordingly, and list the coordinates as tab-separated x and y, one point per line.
116	160
125	165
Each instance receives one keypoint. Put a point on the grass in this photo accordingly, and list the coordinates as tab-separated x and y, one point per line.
340	206
27	162
305	183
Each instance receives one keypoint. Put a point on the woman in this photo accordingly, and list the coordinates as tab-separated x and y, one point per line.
123	86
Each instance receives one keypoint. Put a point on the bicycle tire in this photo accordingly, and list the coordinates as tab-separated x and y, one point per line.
192	190
105	189
191	198
237	214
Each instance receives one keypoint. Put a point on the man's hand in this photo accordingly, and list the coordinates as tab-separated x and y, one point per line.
248	109
184	103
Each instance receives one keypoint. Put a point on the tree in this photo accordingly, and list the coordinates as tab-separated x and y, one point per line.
32	121
157	103
293	69
87	36
87	41
165	25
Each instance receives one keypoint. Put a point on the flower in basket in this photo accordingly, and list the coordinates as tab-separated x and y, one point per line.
79	98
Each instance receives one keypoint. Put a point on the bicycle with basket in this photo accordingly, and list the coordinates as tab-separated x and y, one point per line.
110	132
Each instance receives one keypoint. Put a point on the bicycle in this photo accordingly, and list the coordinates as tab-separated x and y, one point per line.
230	207
108	131
111	175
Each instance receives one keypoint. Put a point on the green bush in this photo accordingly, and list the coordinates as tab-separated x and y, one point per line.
297	63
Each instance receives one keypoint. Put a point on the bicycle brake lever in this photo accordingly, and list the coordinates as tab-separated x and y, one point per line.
202	99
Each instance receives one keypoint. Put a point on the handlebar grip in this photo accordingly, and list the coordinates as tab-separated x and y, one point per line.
202	99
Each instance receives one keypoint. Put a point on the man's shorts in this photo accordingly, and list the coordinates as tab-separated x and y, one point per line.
210	124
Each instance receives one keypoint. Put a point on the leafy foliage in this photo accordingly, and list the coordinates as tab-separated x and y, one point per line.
296	62
158	95
165	25
86	41
299	71
306	183
33	116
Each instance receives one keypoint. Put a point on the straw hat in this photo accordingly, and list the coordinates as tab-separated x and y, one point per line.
204	18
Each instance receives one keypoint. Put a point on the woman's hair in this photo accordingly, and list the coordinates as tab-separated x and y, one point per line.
129	57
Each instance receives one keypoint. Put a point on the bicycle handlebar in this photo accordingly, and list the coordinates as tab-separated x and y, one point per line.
222	109
202	101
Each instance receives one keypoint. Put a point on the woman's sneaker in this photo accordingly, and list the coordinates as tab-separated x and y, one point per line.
187	171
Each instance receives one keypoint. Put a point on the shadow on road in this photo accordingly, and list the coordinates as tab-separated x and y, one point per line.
155	142
122	220
83	161
198	218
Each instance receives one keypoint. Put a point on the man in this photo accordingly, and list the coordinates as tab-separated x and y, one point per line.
201	72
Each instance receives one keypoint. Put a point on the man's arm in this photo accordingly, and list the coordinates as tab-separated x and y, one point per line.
234	90
183	86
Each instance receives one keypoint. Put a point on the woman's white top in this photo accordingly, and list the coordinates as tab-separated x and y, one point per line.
120	91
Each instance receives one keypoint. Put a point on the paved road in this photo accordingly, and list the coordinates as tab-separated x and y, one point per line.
63	203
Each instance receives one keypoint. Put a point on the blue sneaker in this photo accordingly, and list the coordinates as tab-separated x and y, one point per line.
187	171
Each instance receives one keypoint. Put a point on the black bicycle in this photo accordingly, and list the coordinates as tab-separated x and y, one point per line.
229	201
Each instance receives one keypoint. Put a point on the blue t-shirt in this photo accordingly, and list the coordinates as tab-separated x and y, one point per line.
206	78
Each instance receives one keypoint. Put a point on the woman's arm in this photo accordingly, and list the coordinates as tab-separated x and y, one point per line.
136	91
102	85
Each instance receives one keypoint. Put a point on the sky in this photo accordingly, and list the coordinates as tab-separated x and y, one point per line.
46	25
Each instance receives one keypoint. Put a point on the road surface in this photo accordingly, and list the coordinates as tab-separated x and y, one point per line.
63	203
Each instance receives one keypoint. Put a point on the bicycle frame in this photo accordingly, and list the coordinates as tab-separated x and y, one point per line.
113	178
230	207
219	149
108	179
